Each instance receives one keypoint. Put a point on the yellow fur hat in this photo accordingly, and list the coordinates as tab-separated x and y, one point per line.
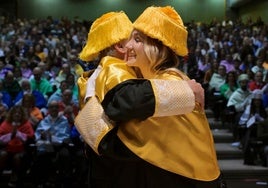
106	31
166	25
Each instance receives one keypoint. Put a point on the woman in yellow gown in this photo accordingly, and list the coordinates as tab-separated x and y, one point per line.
169	151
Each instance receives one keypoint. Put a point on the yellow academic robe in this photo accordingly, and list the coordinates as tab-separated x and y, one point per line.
114	71
182	144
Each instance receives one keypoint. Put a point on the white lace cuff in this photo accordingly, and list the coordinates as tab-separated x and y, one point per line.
173	97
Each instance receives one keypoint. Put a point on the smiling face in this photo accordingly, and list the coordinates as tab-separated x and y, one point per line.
149	55
135	55
17	115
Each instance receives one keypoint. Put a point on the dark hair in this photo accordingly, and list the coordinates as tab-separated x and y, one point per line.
253	109
232	73
29	97
21	110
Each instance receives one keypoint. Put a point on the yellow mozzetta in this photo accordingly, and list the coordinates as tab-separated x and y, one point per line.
106	31
114	71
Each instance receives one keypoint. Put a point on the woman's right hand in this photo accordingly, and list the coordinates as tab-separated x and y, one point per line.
198	92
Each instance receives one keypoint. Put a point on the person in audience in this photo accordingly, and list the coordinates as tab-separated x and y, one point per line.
229	86
204	65
11	85
57	95
52	138
228	63
34	113
70	109
261	51
67	106
249	120
215	98
237	64
39	52
258	82
247	53
5	97
73	61
54	61
40	100
65	70
259	67
41	84
17	74
15	132
46	73
226	90
25	69
237	103
207	77
194	57
72	84
4	68
218	78
247	63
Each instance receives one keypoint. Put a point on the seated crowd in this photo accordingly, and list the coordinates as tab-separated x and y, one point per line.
231	62
39	68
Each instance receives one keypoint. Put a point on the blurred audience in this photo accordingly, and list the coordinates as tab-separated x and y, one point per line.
237	102
15	132
40	100
34	113
249	120
40	83
258	82
52	138
46	52
11	85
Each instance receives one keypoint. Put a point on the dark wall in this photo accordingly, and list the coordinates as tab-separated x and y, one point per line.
201	10
8	8
254	10
245	9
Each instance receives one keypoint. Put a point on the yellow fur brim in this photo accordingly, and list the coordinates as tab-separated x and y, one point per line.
106	31
164	24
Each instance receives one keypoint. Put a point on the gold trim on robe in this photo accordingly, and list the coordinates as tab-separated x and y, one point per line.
91	122
173	97
182	144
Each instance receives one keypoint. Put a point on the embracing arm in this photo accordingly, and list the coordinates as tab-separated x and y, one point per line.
138	98
133	99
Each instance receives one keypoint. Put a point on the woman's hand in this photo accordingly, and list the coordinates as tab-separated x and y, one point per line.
198	92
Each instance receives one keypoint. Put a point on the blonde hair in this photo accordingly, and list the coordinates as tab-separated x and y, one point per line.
161	57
